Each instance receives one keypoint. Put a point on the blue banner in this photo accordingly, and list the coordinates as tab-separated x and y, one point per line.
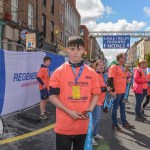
57	60
116	42
2	79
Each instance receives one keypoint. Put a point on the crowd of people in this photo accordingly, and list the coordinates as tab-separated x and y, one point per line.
77	89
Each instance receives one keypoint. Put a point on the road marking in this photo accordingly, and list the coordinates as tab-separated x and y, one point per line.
20	137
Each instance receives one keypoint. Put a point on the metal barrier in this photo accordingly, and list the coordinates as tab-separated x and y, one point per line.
24	49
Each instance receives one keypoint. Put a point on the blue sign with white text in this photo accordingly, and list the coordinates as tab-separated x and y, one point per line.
116	42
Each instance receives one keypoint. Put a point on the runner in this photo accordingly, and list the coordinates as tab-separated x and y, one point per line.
117	81
74	90
43	78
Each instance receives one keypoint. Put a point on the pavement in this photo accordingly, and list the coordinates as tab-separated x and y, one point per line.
23	134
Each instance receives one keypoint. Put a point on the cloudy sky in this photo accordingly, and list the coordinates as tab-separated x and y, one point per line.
115	15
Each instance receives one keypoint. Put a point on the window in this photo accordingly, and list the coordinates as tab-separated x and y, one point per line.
61	35
52	6
30	15
52	31
44	24
61	17
44	2
82	32
14	9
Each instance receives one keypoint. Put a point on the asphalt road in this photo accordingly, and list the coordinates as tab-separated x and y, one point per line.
40	135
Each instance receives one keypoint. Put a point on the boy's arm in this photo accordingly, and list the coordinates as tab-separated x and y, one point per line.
39	77
93	103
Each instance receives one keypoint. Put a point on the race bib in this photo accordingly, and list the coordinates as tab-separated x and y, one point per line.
76	92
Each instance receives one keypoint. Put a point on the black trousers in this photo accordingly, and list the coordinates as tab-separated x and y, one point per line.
64	142
147	101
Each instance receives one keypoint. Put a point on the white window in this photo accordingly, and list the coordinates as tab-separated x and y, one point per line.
30	15
14	9
61	17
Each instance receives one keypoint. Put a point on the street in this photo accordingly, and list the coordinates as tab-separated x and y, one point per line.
42	136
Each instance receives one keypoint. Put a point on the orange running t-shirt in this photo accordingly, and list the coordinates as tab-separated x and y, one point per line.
43	74
148	90
119	78
64	79
102	95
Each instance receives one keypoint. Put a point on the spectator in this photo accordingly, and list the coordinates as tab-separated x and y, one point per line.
117	81
99	65
128	78
140	86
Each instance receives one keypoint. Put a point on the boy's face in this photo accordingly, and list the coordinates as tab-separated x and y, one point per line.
75	53
47	62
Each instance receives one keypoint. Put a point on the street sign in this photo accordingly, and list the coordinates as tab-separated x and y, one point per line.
30	41
116	42
23	34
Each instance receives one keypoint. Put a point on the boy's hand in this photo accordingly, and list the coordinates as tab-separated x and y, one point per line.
75	115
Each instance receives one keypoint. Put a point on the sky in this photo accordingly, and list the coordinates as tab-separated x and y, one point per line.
115	15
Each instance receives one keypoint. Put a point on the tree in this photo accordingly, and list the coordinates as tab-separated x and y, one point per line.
148	60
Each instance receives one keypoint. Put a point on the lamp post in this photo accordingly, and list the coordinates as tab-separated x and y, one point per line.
91	48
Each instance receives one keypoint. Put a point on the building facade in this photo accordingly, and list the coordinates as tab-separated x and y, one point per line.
95	50
143	48
84	33
132	52
54	20
72	20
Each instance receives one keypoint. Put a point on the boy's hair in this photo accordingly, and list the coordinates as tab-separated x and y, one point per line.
46	58
75	41
120	55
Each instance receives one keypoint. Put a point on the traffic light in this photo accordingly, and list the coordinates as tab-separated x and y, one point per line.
39	39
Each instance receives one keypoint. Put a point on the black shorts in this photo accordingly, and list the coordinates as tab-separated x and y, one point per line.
64	142
44	94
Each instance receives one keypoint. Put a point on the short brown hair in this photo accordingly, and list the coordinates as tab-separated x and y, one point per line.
46	58
75	41
120	55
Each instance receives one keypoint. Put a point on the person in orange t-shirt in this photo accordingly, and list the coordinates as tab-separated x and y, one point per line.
74	90
43	78
117	81
96	114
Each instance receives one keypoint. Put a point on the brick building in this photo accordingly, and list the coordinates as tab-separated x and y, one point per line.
84	33
72	20
17	15
56	19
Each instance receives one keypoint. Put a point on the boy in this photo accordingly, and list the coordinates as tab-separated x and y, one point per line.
43	78
74	89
